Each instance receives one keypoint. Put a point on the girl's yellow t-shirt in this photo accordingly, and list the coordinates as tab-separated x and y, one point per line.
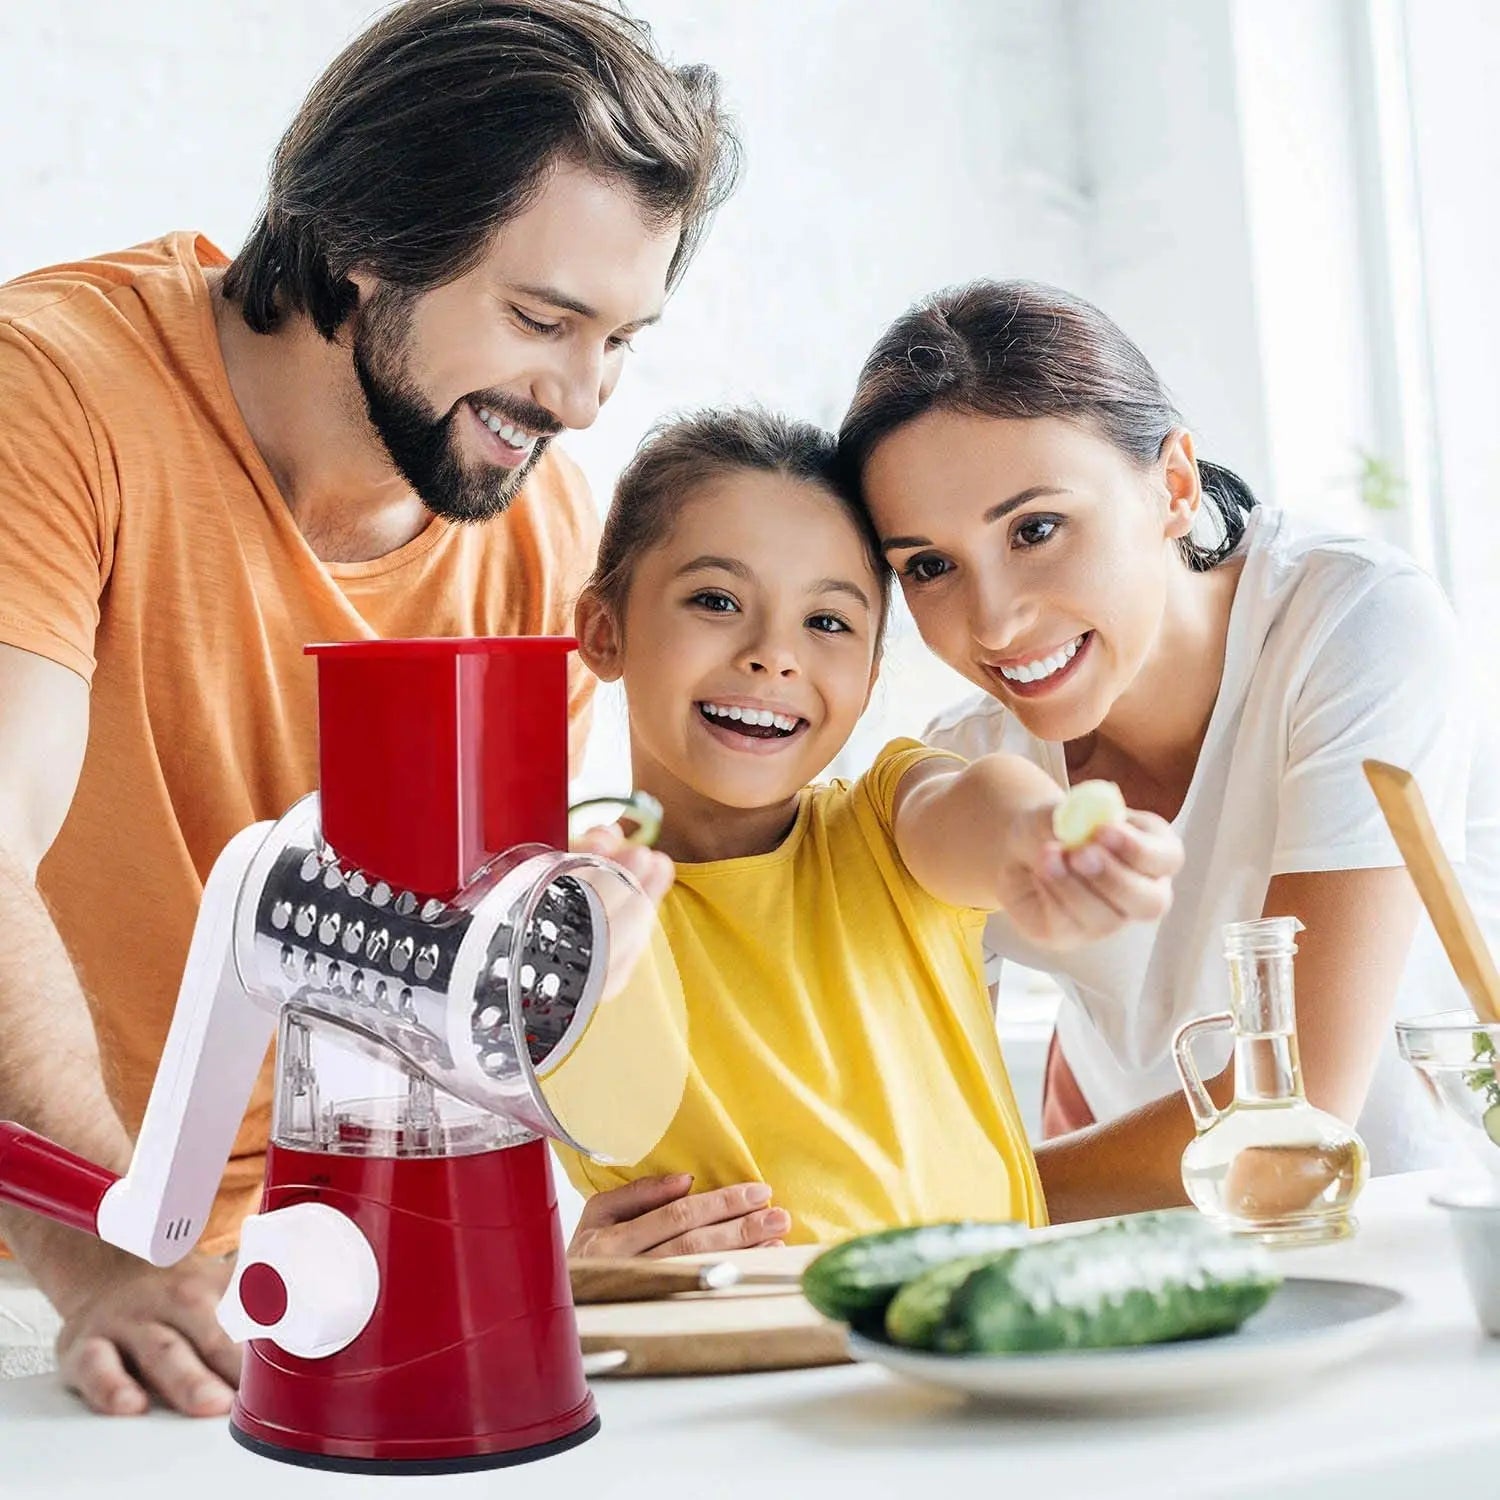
841	1043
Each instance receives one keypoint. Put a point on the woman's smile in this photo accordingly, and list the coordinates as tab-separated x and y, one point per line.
1034	675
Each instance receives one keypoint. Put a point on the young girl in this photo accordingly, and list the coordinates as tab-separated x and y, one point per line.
842	1048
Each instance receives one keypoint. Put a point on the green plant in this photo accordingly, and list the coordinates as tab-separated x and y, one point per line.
1378	482
1483	1081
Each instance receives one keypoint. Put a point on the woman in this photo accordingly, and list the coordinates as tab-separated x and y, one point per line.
1130	613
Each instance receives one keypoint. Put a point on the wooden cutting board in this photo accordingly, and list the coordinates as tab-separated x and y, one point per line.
722	1332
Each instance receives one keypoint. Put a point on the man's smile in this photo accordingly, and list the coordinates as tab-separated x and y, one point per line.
511	445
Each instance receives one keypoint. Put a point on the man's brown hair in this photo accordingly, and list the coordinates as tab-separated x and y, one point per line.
440	123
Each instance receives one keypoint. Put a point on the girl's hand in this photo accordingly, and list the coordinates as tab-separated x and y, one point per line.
662	1216
655	872
633	926
1059	899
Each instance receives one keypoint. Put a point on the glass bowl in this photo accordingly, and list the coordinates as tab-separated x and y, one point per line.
1457	1056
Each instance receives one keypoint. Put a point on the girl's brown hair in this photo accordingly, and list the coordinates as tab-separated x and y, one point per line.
1018	349
679	456
440	123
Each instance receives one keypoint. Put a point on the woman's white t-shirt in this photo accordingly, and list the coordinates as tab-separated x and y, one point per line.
1339	649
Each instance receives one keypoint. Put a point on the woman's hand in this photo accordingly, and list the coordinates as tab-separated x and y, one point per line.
981	835
662	1216
1057	898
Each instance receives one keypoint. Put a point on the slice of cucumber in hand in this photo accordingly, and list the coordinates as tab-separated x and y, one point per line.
639	815
1088	807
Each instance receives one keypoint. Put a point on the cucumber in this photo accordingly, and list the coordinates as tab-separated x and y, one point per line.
1142	1279
854	1281
916	1313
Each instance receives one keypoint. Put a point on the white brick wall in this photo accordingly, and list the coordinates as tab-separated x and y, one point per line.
119	122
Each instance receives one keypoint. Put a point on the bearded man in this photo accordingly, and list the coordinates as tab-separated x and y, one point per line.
345	432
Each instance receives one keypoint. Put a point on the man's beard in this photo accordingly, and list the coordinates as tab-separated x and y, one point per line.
422	444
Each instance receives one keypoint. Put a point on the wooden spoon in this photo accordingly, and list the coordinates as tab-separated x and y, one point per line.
1406	813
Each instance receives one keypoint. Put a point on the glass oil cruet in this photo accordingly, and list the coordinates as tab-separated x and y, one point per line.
1270	1164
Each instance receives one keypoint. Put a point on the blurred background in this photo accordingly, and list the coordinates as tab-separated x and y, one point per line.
1289	204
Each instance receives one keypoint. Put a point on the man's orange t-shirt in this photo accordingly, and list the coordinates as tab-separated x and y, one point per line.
144	545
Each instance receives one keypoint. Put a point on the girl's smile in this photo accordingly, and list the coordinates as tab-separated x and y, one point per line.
752	726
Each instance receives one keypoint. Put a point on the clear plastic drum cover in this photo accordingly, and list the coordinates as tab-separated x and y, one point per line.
342	1091
589	993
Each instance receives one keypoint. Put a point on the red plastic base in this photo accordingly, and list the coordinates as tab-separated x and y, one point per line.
472	1352
505	1459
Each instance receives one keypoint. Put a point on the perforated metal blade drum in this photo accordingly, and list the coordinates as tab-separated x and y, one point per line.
544	991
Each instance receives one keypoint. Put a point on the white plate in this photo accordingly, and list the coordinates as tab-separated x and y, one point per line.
1306	1325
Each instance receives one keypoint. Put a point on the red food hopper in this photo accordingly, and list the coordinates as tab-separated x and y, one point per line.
450	988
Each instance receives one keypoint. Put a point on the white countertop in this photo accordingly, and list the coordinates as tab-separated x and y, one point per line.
1418	1417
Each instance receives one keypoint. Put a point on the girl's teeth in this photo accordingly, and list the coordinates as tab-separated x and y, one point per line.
760	717
1035	671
